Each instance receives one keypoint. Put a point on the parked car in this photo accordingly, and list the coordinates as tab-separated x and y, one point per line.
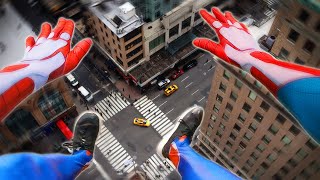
141	122
177	74
163	83
72	80
170	90
247	20
190	65
85	94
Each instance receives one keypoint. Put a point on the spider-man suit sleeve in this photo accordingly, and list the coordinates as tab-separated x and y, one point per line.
45	59
296	86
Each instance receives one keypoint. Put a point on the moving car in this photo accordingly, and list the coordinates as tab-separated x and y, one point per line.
170	90
163	83
190	65
85	94
141	122
177	74
72	80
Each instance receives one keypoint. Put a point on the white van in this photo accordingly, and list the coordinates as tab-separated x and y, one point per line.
85	94
72	80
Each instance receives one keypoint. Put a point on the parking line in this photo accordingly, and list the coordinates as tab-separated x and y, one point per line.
189	84
169	111
185	78
211	68
162	104
201	99
156	97
195	92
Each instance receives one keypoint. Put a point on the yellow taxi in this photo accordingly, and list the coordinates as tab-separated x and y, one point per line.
170	90
141	122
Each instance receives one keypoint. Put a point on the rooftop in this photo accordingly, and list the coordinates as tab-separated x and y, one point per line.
118	17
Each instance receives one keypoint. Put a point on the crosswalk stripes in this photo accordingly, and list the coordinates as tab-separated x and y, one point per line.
157	168
111	105
150	111
114	152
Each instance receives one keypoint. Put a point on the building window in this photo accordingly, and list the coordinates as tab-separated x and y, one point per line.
265	106
246	107
284	170
186	23
258	117
302	154
237	127
137	41
299	61
243	73
225	117
261	147
241	117
242	145
119	61
309	46
222	87
273	129
244	169
131	35
280	119
134	52
303	16
229	107
210	126
229	144
158	14
219	133
264	165
239	152
208	133
196	16
283	54
20	122
135	60
219	98
51	104
254	156
156	42
226	74
213	118
233	96
253	127
250	162
221	126
286	140
294	130
272	157
119	46
247	136
173	31
232	136
258	84
266	139
216	108
225	151
292	162
234	159
216	141
311	144
293	36
238	84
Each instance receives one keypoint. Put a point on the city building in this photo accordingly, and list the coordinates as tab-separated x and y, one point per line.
246	130
142	51
296	29
34	120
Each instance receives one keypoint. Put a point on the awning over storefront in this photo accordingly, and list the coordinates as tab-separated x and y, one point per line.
179	43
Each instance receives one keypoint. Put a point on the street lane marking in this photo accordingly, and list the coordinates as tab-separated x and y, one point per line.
162	104
156	97
211	68
95	92
185	78
195	92
189	84
169	111
201	99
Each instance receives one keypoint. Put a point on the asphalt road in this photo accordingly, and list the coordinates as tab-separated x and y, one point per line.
194	86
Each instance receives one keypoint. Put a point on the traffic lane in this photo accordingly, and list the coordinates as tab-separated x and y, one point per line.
86	78
137	141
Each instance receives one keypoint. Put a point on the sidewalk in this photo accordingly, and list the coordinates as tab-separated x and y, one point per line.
130	92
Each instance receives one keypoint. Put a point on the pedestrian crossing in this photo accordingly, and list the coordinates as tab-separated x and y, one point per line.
111	105
157	168
116	155
150	111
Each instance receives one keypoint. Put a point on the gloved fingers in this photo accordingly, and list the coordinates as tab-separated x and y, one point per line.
30	42
76	55
244	27
230	17
44	33
218	14
56	31
210	46
207	17
67	31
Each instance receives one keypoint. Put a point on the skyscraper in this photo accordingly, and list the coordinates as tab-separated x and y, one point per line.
296	29
249	132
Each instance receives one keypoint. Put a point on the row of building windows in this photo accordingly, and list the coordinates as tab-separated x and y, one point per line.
156	42
293	36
